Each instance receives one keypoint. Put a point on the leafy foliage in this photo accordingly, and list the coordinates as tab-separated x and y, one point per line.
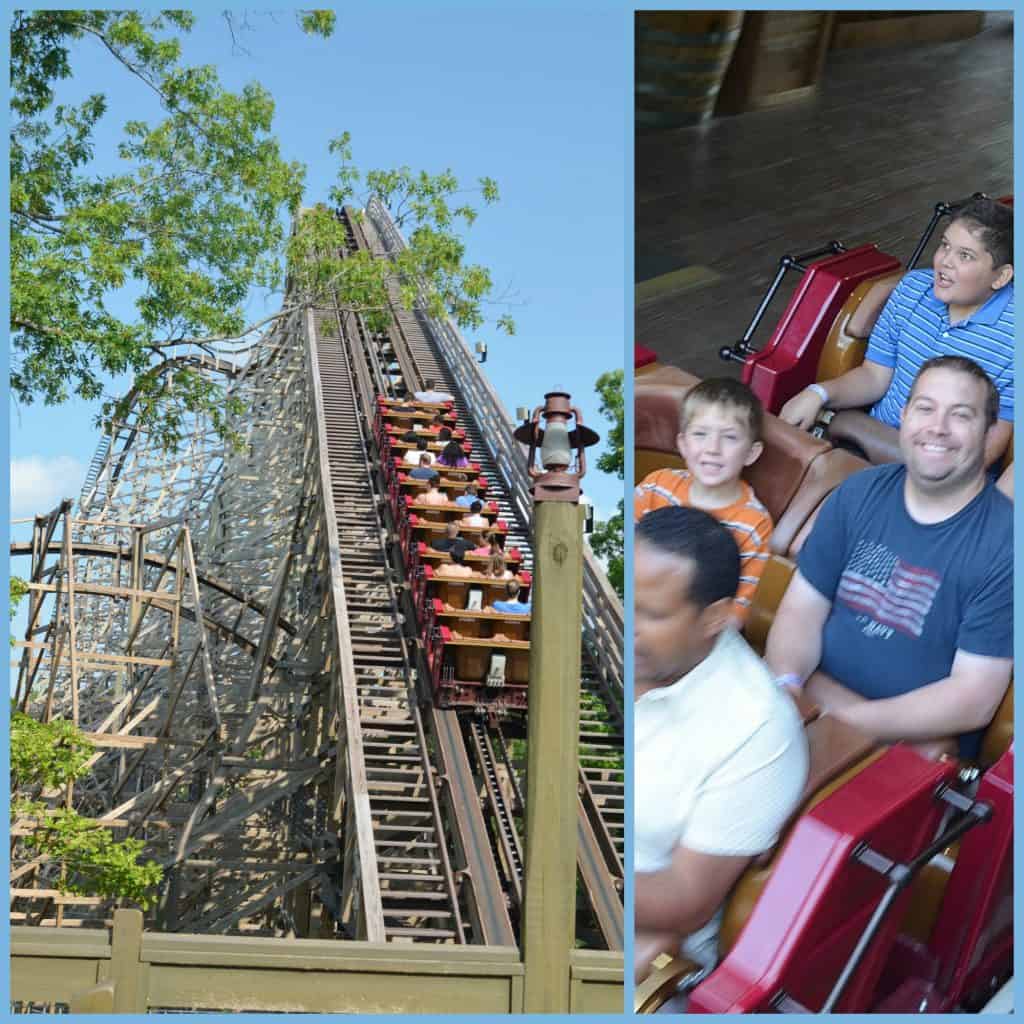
51	755
607	538
96	864
191	224
19	588
319	23
48	754
609	388
430	270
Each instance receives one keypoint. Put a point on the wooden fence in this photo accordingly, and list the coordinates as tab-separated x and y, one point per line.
127	970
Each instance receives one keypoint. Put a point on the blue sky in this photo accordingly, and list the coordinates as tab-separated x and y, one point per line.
537	99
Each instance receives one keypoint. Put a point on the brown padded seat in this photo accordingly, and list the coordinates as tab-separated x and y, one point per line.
836	753
847	340
823	476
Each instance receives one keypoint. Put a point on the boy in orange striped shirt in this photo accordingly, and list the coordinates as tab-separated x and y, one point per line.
720	424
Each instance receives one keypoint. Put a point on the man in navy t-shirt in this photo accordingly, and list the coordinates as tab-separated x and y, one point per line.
900	617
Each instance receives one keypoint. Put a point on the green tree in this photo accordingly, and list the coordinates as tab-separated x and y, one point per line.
51	755
607	538
195	218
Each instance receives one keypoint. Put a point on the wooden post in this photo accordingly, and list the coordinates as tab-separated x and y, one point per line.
127	972
548	931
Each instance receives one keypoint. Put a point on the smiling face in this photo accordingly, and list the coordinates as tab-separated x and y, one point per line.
965	276
717	445
943	429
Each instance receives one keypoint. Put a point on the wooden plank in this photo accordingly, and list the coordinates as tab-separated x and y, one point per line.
50	979
58	897
351	992
173	949
117	741
193	579
351	760
548	928
99	658
159	597
488	642
487	902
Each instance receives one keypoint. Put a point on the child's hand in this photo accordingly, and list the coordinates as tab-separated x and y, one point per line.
802	409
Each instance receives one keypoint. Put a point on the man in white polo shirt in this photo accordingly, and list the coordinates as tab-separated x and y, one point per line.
719	756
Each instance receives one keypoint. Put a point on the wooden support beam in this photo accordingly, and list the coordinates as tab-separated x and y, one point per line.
548	930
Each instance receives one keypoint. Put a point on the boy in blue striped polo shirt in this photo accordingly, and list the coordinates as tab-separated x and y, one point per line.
962	306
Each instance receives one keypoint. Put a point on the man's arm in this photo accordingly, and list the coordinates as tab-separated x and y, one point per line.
794	641
996	440
965	700
863	385
835	698
879	441
686	894
1005	482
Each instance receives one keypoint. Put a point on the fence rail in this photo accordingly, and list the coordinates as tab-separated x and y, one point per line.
127	970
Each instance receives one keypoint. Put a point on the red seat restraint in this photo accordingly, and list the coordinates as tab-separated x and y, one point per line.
819	899
789	362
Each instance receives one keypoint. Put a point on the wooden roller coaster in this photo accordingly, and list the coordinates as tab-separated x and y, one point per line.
234	628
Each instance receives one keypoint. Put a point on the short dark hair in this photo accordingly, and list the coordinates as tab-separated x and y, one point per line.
421	444
476	506
992	222
444	434
963	365
733	394
428	383
693	534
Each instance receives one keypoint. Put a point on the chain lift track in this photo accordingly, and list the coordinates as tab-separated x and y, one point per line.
231	627
434	351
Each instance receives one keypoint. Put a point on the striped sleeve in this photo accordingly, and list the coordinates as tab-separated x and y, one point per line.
751	526
660	489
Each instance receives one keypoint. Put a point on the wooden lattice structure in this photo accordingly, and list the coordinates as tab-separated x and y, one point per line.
223	623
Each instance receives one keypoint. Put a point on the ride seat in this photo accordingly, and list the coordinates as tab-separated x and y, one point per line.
836	753
776	476
824	475
848	337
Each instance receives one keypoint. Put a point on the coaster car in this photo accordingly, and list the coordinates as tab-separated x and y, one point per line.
890	889
824	329
476	658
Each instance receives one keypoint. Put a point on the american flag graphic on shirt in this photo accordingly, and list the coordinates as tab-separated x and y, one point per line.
879	583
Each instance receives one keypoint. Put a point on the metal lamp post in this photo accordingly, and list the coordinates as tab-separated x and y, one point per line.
548	927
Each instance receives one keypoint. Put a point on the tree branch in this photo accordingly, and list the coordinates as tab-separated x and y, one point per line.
209	340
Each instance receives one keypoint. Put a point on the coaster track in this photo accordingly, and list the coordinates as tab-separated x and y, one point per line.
233	628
